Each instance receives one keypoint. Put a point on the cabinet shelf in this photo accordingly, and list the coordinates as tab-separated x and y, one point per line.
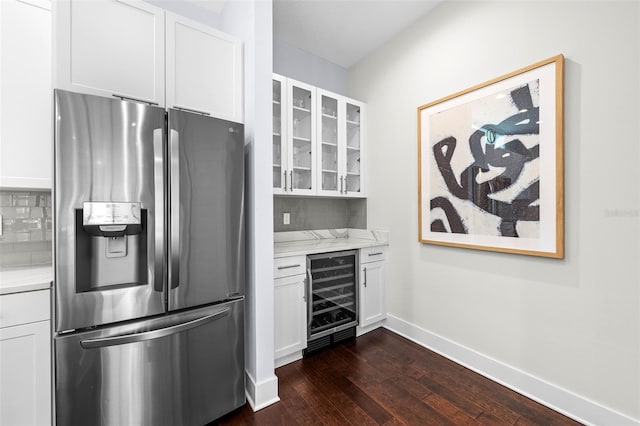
333	268
329	143
330	325
297	108
331	288
303	169
333	172
334	307
353	123
277	134
301	139
332	278
333	117
337	296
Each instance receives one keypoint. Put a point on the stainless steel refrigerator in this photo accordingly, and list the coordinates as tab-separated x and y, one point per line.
149	264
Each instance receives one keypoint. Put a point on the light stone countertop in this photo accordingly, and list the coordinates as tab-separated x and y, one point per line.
297	243
27	279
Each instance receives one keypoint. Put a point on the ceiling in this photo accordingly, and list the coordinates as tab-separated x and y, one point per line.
340	31
344	31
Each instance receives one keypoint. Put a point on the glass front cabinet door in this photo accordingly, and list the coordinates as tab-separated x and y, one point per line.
340	145
294	136
279	134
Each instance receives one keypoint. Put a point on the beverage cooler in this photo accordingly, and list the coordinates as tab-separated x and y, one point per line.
332	298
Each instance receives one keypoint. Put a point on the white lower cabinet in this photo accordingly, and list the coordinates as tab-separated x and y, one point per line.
373	272
25	359
290	309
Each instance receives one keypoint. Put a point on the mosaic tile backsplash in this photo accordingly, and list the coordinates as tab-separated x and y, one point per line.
26	228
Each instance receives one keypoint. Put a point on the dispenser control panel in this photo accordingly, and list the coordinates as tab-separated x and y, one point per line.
110	213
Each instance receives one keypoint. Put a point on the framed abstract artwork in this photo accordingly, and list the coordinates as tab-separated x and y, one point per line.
490	164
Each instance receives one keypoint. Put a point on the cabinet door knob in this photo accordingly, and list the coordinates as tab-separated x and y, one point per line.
365	276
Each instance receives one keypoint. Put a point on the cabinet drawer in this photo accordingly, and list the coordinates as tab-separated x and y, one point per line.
372	254
287	266
23	308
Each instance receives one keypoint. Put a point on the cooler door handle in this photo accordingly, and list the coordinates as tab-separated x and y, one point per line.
309	298
102	342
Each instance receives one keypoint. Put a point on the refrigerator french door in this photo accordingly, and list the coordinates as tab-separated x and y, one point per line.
149	246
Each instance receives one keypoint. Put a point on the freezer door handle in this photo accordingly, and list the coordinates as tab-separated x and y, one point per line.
102	342
158	176
174	202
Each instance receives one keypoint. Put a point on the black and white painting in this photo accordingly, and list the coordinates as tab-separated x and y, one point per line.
490	165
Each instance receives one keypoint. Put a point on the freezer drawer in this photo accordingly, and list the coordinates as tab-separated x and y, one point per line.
181	369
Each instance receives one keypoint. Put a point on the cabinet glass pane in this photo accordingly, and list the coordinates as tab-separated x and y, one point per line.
329	157
301	179
353	183
301	128
329	141
301	124
277	90
277	135
353	148
277	161
277	177
330	181
329	107
301	99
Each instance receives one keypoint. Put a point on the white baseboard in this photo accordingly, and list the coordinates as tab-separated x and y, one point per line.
263	394
550	395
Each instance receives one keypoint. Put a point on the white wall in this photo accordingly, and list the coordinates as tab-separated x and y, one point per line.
252	21
572	323
301	65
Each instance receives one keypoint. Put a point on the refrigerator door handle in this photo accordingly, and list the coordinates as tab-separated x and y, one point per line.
174	202
158	182
103	342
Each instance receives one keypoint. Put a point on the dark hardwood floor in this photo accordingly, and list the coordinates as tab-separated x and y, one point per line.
382	378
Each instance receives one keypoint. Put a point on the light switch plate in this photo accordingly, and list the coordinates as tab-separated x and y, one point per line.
286	218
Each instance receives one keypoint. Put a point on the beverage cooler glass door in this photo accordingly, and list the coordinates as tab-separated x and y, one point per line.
109	210
332	294
206	180
183	369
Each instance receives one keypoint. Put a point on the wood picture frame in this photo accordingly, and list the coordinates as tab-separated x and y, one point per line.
490	164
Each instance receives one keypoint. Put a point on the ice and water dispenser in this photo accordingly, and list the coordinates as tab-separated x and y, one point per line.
111	245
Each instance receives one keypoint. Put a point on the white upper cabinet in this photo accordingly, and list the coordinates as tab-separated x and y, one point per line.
318	141
294	137
340	145
25	94
203	69
110	48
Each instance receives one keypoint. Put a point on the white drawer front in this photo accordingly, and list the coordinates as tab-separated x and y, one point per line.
288	266
372	254
23	308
